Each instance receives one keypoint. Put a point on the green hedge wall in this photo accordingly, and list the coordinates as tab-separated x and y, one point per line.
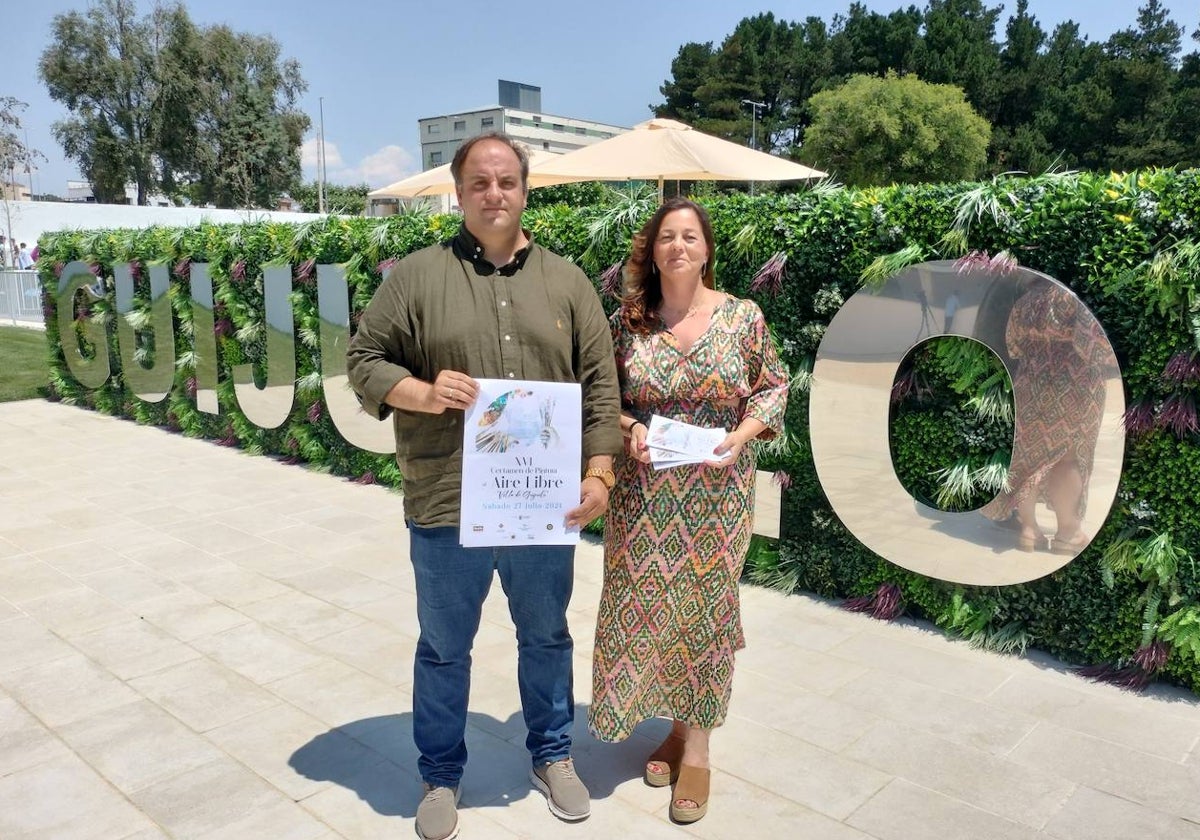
1127	244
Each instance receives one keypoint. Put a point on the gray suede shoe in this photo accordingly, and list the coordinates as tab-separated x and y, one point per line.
566	795
437	815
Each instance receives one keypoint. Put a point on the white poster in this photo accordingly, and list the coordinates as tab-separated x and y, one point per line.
522	450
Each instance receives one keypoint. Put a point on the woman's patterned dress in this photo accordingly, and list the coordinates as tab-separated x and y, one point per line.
675	539
1061	354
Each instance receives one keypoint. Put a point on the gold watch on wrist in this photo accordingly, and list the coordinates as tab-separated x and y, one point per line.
603	473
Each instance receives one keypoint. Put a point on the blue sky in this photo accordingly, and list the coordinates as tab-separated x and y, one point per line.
381	65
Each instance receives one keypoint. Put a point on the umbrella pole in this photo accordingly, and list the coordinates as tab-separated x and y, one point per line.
660	189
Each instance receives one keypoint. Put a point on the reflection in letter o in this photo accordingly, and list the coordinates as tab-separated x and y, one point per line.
1058	358
91	372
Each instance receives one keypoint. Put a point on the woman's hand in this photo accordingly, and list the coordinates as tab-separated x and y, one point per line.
638	450
727	451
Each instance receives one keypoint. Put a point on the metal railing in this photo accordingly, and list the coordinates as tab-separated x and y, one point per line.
20	297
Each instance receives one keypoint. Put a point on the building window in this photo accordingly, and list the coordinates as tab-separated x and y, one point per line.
558	127
537	118
580	130
460	125
435	157
546	145
433	128
487	122
515	121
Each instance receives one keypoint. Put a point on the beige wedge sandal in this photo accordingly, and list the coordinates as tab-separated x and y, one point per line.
692	786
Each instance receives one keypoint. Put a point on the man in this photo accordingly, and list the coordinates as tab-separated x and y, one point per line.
491	304
24	258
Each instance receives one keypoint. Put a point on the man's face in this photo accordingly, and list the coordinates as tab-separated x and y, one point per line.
490	190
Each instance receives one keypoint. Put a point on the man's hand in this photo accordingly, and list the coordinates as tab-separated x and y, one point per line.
593	501
451	389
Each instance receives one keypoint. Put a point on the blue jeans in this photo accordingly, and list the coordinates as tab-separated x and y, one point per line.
452	583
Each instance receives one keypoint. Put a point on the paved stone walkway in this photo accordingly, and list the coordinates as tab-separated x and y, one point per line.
195	642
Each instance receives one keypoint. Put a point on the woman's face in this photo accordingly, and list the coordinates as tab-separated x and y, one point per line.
680	250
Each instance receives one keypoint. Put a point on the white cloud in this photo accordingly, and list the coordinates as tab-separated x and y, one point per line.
308	157
381	167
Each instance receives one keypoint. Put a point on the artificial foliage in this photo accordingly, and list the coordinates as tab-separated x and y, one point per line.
1127	244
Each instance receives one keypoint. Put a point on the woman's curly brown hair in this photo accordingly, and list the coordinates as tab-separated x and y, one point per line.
642	294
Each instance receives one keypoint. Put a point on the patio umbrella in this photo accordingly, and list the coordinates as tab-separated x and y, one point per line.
662	149
437	181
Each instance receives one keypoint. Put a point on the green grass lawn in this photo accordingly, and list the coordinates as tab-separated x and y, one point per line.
24	366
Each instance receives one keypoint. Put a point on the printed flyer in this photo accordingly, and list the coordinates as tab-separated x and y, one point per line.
522	450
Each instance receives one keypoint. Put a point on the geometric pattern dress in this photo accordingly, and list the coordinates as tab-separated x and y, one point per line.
675	540
1058	386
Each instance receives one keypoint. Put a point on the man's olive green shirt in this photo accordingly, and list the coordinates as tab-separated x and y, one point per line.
447	308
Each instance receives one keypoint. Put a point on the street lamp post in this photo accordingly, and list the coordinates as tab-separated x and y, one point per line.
321	158
754	106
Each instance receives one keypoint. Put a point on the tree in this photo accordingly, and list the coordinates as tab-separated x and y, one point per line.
1183	119
896	129
1142	68
105	66
1017	142
15	156
871	44
709	87
958	47
249	131
689	69
1074	99
346	200
156	102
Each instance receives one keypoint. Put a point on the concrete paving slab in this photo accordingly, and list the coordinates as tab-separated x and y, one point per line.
208	644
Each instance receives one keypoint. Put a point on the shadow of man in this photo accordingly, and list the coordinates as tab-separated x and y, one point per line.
376	759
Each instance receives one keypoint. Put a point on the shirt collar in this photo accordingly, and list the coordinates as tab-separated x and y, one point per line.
467	247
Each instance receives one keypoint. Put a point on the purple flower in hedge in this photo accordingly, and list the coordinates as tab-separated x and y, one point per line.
908	384
1003	263
972	261
1139	417
291	444
304	271
1129	677
190	387
94	268
135	269
314	412
385	266
58	269
223	326
610	280
183	268
1179	414
782	479
769	278
366	478
1182	369
885	603
230	438
238	272
1152	657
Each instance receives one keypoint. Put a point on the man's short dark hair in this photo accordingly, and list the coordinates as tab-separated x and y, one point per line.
519	150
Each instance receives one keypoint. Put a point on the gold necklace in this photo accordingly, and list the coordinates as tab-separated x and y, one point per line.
672	313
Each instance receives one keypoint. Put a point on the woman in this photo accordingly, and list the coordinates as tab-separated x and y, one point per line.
675	539
1060	354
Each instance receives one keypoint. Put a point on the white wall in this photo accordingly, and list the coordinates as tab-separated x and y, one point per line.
30	219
